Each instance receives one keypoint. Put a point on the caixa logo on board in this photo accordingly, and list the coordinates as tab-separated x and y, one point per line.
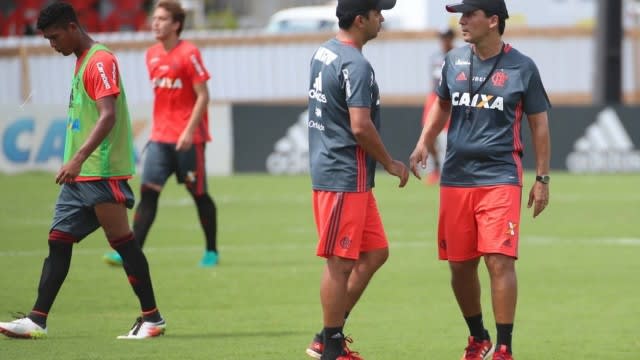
33	137
28	144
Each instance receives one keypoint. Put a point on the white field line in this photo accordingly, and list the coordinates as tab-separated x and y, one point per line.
536	241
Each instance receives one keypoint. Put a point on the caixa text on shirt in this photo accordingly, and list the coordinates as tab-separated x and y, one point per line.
479	100
167	83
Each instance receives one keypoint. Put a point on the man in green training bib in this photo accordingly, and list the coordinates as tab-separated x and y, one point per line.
98	161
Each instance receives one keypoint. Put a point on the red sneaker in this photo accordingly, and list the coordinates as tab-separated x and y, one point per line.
349	356
347	353
478	350
502	354
315	348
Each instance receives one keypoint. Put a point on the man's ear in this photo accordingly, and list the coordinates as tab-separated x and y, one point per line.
494	21
73	27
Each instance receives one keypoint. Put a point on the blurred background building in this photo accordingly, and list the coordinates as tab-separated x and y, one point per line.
18	16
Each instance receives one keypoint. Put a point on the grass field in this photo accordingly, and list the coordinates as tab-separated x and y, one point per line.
578	276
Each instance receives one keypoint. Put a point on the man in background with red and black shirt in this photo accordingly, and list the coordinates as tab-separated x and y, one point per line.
180	128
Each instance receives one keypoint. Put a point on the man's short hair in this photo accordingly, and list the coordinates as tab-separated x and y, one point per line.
175	9
59	14
348	10
446	33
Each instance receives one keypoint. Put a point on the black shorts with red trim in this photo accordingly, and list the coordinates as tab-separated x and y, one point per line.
74	211
162	159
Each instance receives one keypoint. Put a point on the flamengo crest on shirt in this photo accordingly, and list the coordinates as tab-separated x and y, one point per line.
479	100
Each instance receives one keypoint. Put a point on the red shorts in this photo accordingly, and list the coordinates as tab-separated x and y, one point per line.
477	221
348	224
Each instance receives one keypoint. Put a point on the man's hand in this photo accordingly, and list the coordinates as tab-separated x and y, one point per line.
418	158
538	197
399	169
185	141
68	172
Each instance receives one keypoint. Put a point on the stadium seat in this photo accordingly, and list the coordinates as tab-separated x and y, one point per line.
88	13
90	20
15	23
24	17
127	15
127	4
131	21
81	5
4	31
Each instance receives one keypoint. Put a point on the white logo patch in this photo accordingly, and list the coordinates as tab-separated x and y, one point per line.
325	56
103	75
316	91
347	82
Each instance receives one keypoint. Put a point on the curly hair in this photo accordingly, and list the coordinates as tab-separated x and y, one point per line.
58	14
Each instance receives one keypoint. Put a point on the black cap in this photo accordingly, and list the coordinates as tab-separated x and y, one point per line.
490	7
348	8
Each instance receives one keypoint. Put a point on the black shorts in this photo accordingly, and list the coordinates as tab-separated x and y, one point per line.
74	211
162	159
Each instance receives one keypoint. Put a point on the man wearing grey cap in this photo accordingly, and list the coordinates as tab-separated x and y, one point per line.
486	87
344	148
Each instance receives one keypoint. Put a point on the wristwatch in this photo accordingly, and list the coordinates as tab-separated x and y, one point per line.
543	179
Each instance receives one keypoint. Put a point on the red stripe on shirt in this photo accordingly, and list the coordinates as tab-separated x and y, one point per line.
518	161
517	143
517	125
361	168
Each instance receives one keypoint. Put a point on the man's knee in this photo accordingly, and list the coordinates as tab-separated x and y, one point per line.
150	188
464	268
149	193
339	265
116	242
373	260
498	264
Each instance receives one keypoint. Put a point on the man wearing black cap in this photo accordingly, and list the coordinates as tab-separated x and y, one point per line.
344	147
486	87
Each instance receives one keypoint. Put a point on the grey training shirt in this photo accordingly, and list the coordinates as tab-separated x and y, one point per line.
340	78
